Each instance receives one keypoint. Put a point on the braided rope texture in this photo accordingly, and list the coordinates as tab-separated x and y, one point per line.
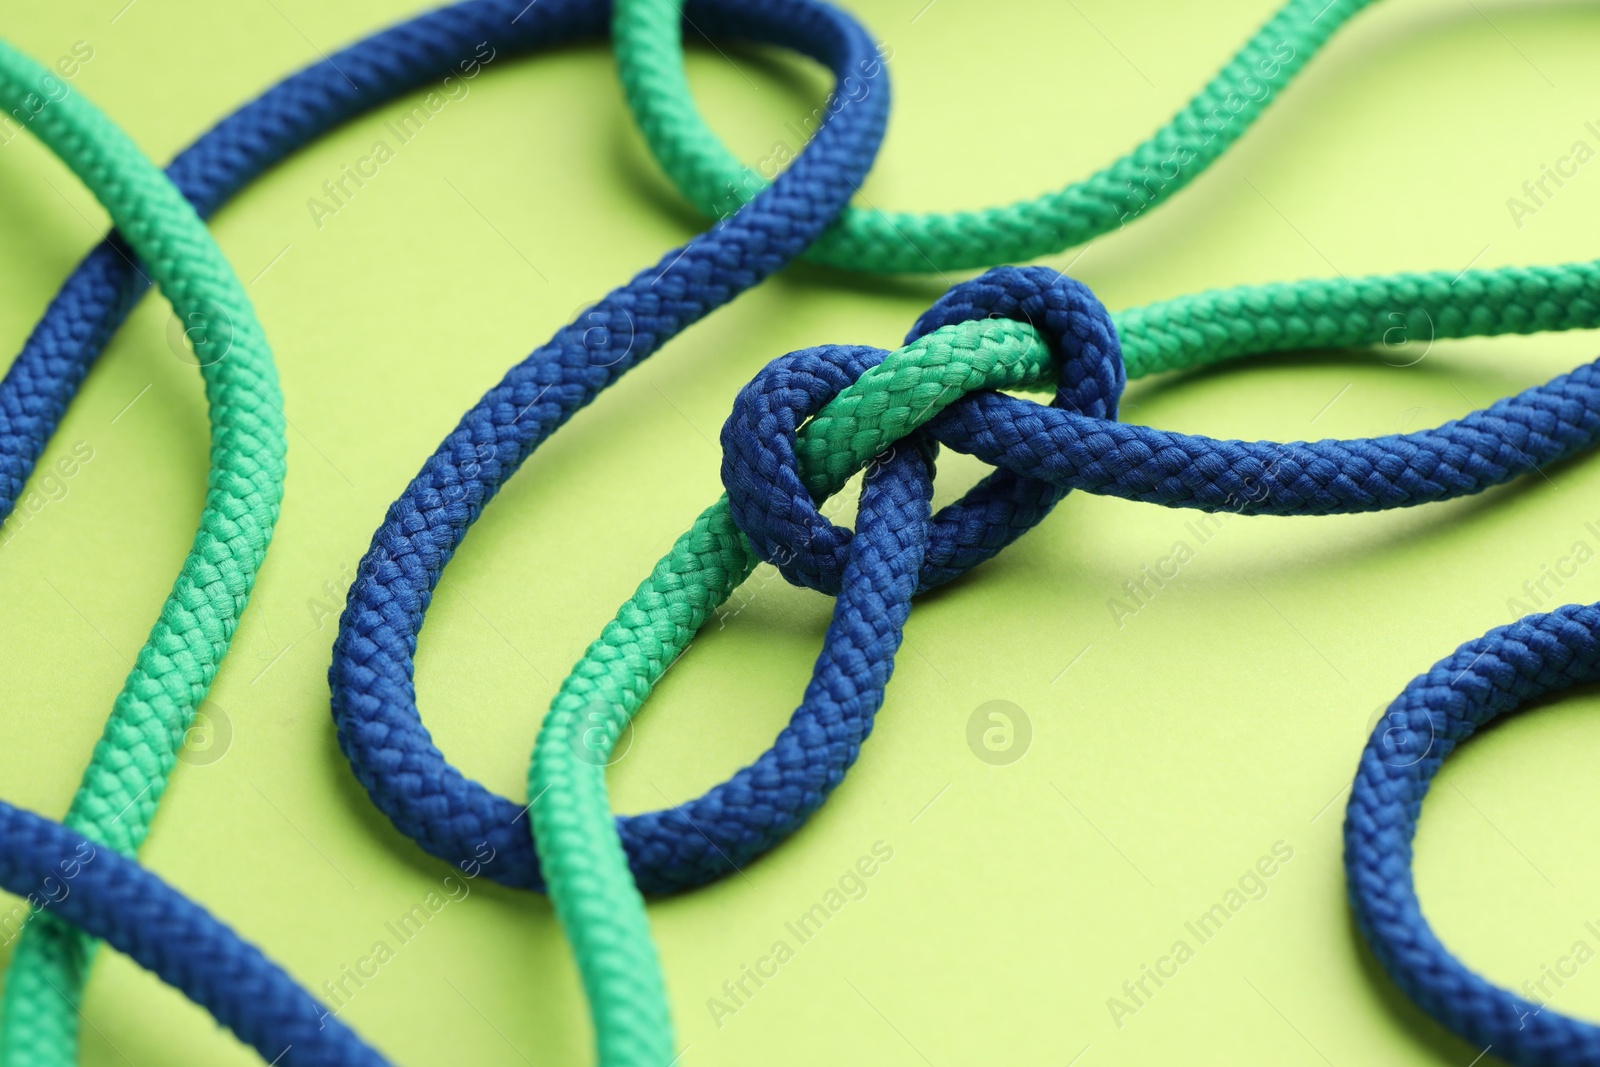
762	461
174	669
449	814
594	892
1172	335
775	477
373	694
696	842
1485	678
374	699
648	40
768	496
109	896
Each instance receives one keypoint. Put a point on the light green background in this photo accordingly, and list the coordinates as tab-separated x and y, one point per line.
1225	716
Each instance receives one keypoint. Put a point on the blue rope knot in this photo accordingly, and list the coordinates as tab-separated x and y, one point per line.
761	473
1043	452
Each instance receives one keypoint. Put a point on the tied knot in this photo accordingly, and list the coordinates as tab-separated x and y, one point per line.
812	418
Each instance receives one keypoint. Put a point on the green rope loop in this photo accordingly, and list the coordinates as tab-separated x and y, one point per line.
648	39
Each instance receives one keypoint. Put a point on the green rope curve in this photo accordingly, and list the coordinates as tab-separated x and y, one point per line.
173	671
595	898
579	851
648	40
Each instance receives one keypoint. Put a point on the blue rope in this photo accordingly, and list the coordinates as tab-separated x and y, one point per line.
1491	676
1069	445
374	700
111	897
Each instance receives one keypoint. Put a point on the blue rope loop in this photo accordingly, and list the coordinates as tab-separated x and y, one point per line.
1482	680
373	695
763	803
779	516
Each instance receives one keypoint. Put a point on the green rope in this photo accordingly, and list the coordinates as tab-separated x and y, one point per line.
173	671
648	38
579	851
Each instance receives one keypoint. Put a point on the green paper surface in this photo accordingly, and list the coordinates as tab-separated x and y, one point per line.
1160	744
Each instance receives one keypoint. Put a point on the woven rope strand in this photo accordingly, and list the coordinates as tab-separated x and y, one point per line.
174	669
107	895
448	814
1486	678
374	697
648	40
572	821
99	294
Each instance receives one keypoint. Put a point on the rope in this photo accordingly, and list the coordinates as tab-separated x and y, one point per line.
450	815
648	39
109	896
811	419
1507	668
374	699
796	435
42	1024
589	881
667	850
174	669
129	770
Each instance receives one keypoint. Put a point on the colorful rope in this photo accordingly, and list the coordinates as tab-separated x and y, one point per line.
45	1024
648	39
374	699
797	433
446	812
774	476
450	815
41	992
174	669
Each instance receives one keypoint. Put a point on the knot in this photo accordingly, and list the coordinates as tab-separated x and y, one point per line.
873	398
